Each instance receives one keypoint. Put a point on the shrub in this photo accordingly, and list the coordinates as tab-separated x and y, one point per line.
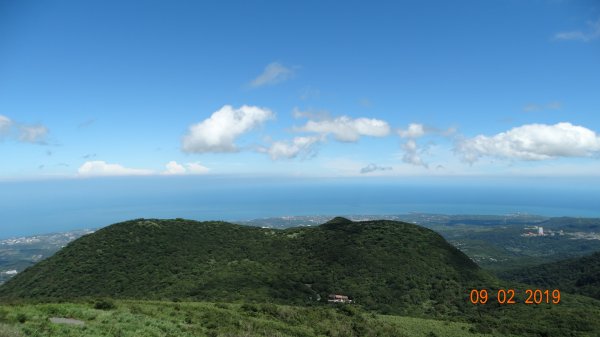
22	318
104	305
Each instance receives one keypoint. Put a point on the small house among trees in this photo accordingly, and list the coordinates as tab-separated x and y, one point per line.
336	298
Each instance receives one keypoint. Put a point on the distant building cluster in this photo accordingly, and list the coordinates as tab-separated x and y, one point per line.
539	231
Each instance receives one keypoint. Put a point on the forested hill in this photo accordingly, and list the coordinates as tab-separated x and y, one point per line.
386	265
579	276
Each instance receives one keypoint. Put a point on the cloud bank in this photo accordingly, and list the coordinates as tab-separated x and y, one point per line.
346	129
173	168
373	167
101	168
532	142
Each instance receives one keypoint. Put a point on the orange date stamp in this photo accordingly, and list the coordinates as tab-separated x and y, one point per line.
510	296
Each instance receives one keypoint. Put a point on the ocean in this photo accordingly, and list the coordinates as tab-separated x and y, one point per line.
36	207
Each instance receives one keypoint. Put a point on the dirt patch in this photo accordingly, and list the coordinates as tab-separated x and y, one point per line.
70	321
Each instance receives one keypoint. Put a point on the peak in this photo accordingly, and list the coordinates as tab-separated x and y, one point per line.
339	220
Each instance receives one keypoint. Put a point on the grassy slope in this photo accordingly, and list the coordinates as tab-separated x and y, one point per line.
148	319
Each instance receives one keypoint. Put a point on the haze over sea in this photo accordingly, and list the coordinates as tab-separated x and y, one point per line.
56	205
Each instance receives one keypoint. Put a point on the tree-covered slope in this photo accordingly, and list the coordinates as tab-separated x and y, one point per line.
580	275
385	265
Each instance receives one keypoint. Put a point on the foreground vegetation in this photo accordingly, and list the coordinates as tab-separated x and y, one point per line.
183	319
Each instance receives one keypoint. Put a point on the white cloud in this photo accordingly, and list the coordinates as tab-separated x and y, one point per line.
219	132
373	167
412	150
196	168
273	73
346	129
303	146
592	33
417	130
414	130
33	133
532	142
102	168
412	153
173	168
5	124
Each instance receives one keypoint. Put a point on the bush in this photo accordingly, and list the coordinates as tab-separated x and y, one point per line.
104	305
348	310
22	318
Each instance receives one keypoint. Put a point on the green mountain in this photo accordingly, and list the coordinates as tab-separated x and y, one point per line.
578	276
388	266
385	265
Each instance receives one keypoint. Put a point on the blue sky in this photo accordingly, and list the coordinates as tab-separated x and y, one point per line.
317	89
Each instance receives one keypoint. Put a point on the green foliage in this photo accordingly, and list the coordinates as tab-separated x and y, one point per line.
580	275
208	319
21	318
104	305
389	266
386	266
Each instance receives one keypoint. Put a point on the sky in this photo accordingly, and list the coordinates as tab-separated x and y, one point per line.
316	89
112	110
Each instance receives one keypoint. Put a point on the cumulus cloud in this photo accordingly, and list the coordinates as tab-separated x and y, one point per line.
219	132
412	153
532	142
273	73
412	150
173	168
414	130
5	124
346	129
417	130
299	146
373	167
33	134
592	33
102	168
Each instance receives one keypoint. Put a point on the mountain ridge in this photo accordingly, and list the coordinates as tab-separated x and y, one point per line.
381	263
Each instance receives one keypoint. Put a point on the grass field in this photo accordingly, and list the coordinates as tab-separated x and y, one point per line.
148	319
